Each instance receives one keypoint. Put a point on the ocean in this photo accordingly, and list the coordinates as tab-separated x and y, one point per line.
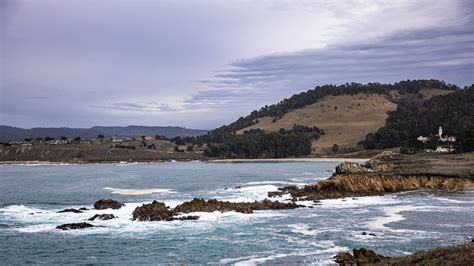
31	195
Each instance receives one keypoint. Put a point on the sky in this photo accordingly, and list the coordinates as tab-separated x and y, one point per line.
202	64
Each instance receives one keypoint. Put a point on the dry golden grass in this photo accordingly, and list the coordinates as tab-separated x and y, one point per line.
346	125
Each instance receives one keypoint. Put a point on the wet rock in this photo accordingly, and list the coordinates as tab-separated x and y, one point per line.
183	218
102	217
83	209
369	234
200	205
107	203
155	211
70	210
361	256
74	226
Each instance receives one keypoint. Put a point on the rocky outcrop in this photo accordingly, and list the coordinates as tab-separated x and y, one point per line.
200	205
374	185
74	226
155	211
158	211
102	217
107	203
71	210
458	255
389	173
361	257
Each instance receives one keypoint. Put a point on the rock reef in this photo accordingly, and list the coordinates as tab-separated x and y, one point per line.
383	174
458	255
103	204
158	211
102	217
74	226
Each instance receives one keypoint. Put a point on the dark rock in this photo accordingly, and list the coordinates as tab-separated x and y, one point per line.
107	203
70	210
83	209
102	217
200	205
155	211
183	218
372	234
364	233
361	257
74	226
344	258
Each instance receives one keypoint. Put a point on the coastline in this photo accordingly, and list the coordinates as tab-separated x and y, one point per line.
270	160
304	159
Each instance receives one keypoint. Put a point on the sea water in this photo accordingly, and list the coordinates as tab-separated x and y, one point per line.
31	195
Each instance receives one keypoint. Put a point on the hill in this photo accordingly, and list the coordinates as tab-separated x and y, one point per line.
346	114
8	133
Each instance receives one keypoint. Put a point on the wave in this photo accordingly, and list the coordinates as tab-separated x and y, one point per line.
137	192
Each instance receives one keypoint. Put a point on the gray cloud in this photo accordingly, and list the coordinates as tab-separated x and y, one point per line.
444	53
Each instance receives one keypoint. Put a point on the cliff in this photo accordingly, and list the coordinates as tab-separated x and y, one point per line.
391	173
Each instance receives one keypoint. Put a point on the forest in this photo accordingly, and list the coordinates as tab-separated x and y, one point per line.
454	112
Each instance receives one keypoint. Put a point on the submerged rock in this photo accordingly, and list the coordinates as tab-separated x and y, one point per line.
107	203
74	226
102	217
70	210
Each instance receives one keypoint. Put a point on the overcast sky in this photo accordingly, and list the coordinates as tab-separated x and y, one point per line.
201	64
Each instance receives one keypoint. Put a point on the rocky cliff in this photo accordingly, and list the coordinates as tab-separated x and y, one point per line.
390	173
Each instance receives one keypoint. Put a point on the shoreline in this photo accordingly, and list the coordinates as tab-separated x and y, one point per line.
35	162
321	159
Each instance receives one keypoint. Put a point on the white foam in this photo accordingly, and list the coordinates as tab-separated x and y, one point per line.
358	202
302	229
392	215
136	192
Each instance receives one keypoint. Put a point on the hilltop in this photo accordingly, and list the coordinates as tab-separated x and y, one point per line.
346	118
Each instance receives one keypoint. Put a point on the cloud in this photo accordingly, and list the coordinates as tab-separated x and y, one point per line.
444	53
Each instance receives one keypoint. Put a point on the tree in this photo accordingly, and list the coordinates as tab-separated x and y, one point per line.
77	139
48	138
100	136
335	148
63	138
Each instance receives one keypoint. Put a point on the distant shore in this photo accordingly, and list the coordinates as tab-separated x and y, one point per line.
33	162
304	159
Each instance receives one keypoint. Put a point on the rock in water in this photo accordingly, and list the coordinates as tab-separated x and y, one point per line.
70	210
74	226
155	211
102	217
361	257
108	203
200	205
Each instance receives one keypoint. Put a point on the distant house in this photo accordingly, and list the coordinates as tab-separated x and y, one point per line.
447	142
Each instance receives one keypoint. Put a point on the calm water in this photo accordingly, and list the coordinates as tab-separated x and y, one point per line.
30	196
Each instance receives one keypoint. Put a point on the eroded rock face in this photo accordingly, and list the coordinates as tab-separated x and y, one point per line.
74	226
103	204
102	217
70	210
351	168
374	185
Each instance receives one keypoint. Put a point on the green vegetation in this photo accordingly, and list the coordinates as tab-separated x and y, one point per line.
454	112
256	143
